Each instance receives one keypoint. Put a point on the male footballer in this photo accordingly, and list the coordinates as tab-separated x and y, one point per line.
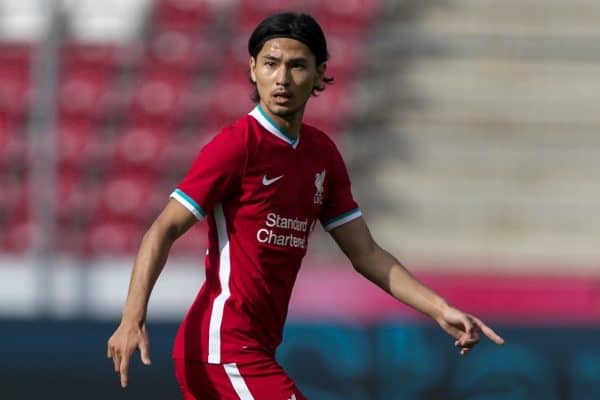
262	184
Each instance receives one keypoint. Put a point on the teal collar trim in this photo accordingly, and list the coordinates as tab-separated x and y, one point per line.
272	126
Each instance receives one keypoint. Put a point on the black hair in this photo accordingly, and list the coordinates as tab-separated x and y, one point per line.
298	26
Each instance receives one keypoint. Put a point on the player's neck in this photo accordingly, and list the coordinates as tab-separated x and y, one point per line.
290	125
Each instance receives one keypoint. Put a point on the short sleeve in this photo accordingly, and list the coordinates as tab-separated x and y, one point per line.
214	175
339	206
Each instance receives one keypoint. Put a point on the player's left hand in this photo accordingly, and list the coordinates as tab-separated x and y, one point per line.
126	339
465	328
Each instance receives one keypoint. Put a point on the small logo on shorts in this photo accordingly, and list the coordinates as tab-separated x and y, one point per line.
293	397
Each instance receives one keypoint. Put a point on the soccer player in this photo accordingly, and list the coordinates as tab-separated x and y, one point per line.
262	184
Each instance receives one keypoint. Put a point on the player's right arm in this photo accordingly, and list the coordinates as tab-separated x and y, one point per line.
215	172
131	333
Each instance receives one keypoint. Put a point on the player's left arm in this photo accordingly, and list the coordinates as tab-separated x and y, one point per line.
383	269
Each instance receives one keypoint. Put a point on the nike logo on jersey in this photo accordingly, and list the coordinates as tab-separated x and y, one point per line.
266	181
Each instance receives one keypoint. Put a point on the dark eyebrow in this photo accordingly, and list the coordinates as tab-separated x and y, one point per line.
298	60
295	60
272	58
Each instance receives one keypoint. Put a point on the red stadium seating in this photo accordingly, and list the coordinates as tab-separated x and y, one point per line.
74	137
87	74
127	197
14	214
112	238
230	99
182	151
89	56
77	196
237	55
90	84
346	16
18	236
250	12
178	51
13	144
190	15
346	56
82	91
138	113
15	60
82	146
140	147
13	201
7	133
159	97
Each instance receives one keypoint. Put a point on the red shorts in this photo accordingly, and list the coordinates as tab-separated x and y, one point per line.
257	380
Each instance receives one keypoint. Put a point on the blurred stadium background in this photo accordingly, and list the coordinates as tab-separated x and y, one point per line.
471	133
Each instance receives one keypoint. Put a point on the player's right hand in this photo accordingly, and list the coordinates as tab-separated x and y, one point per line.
126	339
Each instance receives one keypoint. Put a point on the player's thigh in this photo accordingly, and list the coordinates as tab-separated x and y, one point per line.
201	381
263	380
260	380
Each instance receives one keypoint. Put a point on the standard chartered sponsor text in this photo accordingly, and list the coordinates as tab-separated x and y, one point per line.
273	236
277	221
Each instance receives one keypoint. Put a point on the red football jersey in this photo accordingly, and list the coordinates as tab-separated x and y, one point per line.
262	193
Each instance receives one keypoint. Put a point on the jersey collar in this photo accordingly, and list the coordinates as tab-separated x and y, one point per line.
272	126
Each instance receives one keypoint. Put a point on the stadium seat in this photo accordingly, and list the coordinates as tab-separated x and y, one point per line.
17	236
177	52
89	56
195	103
83	145
14	78
13	201
76	196
181	152
76	202
230	100
14	212
100	151
140	147
7	135
112	238
71	238
82	91
158	97
128	197
13	145
74	137
346	16
16	54
87	75
250	12
237	54
190	15
347	52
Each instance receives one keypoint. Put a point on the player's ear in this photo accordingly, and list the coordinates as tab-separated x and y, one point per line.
321	68
252	64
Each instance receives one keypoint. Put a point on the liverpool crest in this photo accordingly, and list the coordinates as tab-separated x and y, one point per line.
319	181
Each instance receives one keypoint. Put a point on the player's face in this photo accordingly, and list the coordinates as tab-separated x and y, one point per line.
285	73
